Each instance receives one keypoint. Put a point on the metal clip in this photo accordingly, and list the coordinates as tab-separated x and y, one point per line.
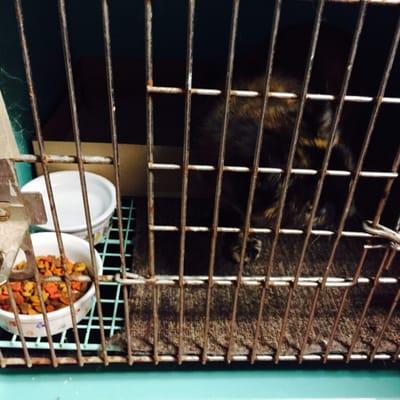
383	232
17	211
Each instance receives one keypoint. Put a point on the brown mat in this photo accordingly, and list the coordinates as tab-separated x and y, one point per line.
197	253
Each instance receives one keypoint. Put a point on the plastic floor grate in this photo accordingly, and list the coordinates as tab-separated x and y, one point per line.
111	296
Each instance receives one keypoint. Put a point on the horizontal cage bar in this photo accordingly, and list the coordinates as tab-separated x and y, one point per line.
277	95
173	280
284	231
62	159
266	170
114	359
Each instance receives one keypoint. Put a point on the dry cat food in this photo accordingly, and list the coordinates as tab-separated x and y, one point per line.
55	294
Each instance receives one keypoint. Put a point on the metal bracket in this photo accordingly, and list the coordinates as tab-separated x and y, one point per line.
17	212
383	232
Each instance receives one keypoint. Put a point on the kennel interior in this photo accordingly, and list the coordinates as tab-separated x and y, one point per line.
76	75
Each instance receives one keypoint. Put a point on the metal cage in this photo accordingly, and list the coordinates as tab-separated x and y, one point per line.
87	342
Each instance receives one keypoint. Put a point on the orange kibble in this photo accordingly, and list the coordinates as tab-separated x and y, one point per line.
64	299
50	287
19	299
54	294
75	285
16	286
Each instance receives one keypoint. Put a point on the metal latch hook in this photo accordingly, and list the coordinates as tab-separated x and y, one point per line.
383	232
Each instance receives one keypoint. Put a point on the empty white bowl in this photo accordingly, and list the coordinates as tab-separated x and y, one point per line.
76	249
69	203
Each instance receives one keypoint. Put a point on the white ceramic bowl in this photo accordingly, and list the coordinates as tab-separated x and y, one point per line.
76	249
69	203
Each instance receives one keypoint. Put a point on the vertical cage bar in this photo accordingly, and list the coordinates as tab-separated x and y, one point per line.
150	173
116	157
81	167
185	170
354	181
31	259
377	217
220	169
256	160
39	136
14	307
289	166
328	152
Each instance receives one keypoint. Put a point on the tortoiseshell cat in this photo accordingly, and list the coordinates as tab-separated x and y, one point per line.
288	72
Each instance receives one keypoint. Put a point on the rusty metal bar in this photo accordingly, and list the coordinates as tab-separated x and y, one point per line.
116	157
81	168
61	159
39	136
377	217
268	170
284	231
173	280
185	171
27	358
278	95
256	162
355	178
150	174
171	358
295	135
321	179
220	170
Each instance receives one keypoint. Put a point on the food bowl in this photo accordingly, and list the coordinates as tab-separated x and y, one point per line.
76	249
69	203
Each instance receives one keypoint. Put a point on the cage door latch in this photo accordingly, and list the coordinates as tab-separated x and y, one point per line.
382	232
17	211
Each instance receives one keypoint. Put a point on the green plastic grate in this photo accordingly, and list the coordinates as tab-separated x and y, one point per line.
111	297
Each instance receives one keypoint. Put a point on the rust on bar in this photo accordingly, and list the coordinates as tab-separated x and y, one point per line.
150	175
295	134
39	136
220	170
256	162
327	156
81	168
116	157
355	178
185	170
61	159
